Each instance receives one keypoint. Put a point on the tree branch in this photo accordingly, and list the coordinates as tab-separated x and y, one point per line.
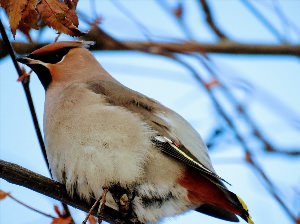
210	21
264	20
105	42
184	47
16	174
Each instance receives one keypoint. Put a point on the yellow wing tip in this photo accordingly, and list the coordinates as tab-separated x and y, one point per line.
249	219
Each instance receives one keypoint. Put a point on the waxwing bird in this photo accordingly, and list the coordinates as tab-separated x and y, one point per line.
100	134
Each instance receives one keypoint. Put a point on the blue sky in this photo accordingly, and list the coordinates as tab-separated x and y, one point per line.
276	80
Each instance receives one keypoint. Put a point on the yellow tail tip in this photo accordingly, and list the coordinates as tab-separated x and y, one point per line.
249	219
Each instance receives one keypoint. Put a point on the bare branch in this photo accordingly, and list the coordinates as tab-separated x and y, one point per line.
263	20
226	48
127	13
210	20
29	207
184	47
18	175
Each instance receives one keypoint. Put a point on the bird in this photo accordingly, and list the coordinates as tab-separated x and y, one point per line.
101	135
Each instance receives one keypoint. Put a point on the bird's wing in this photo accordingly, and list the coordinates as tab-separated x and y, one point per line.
179	152
176	137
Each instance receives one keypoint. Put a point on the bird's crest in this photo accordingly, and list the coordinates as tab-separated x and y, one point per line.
60	45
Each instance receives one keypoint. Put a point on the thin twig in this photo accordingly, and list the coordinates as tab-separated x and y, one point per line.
201	82
26	89
263	20
57	37
127	13
207	64
268	147
29	207
249	156
243	112
271	187
210	20
286	22
166	8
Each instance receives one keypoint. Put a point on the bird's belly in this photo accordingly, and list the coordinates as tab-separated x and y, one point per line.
94	147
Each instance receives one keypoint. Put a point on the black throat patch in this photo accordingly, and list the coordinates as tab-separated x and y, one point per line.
43	74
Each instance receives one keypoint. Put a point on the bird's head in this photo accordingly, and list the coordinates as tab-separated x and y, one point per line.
62	62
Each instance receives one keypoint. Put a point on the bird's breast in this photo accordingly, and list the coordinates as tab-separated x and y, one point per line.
92	144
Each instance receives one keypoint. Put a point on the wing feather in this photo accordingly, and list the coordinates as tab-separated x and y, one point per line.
170	148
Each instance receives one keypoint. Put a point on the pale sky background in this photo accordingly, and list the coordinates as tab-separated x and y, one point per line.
276	80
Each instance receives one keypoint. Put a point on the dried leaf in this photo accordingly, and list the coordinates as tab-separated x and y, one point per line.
24	77
298	220
57	211
92	220
14	10
212	83
62	220
72	14
71	3
29	18
248	157
3	194
4	4
178	12
59	16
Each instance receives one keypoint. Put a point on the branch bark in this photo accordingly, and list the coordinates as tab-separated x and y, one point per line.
16	174
105	41
174	47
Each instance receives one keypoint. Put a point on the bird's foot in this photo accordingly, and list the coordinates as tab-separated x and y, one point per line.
101	206
123	198
124	204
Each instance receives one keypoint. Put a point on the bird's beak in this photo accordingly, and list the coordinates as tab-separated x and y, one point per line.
23	60
28	61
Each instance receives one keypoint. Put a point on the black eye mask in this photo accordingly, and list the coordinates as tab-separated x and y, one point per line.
53	57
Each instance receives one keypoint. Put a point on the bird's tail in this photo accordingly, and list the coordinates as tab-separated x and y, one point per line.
215	199
236	207
241	206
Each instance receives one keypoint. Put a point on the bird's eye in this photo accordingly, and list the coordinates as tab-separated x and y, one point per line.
55	57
